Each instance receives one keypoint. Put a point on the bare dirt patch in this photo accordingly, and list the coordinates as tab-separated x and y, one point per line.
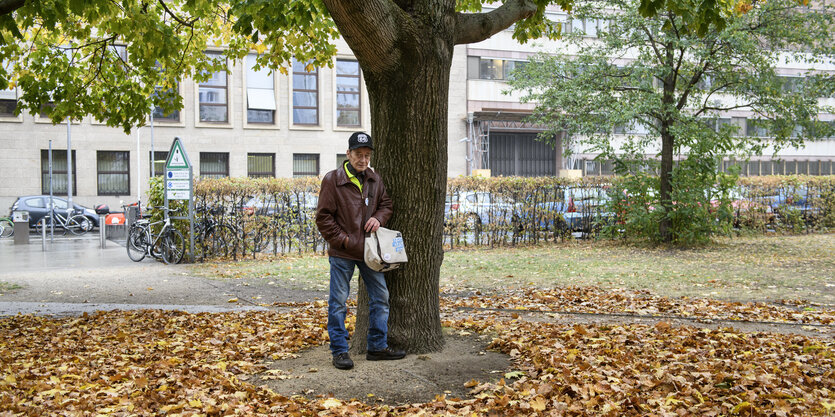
414	379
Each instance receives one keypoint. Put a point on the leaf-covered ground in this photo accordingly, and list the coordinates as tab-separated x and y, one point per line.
171	363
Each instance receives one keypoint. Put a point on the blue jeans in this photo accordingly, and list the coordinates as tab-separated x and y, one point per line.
375	283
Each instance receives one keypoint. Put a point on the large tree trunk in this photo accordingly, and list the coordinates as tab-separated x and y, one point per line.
411	155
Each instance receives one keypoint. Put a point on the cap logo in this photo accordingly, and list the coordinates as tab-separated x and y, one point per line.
361	138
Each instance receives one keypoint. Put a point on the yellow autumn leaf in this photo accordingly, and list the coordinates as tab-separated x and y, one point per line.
538	404
259	48
233	300
195	403
331	403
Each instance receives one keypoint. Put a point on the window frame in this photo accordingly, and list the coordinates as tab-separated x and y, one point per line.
168	121
293	90
227	88
245	83
358	93
45	171
126	172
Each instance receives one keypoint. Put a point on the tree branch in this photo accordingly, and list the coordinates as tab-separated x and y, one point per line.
371	28
189	23
8	6
476	27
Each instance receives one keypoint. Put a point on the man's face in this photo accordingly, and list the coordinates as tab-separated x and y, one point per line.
359	158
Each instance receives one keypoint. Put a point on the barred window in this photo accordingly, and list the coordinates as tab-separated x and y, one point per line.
59	172
305	164
260	165
214	164
113	168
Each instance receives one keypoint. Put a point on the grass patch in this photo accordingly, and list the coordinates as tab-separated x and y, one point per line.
8	287
744	268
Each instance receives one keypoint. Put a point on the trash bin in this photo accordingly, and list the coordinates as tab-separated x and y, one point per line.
115	226
131	214
21	227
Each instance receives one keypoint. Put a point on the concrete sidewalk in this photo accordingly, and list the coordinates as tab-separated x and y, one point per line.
75	275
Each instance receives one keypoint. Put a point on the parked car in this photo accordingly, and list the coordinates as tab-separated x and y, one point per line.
267	206
576	209
37	206
478	208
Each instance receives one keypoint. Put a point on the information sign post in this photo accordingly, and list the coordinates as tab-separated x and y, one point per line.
179	185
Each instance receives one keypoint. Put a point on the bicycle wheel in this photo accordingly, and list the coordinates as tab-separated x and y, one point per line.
6	228
221	241
39	226
78	225
173	247
135	243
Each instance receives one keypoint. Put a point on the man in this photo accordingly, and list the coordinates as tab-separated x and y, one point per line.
352	202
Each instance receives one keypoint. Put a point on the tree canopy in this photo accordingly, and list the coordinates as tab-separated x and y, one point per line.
114	60
675	86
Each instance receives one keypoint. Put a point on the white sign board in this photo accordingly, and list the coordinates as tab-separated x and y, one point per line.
178	194
178	174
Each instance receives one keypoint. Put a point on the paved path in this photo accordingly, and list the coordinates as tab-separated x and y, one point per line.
75	275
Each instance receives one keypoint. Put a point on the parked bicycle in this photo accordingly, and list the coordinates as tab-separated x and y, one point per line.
212	238
76	224
6	227
168	244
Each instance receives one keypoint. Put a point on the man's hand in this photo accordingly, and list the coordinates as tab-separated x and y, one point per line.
372	225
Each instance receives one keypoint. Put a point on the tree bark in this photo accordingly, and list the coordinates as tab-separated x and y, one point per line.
667	146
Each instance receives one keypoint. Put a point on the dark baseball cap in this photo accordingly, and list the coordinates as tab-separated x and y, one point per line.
360	140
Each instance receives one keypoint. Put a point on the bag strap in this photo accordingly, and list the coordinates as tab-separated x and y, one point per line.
370	199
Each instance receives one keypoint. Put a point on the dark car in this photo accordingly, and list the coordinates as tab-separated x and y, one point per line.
37	206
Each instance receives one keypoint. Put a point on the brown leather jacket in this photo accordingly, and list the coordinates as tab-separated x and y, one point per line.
342	211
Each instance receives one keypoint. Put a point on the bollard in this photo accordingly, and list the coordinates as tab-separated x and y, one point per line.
102	234
43	234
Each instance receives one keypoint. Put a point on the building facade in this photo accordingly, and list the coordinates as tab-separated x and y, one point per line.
253	123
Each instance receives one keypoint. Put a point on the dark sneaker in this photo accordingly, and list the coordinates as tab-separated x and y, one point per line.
387	354
343	361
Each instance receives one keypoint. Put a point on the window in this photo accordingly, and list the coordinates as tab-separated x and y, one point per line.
756	128
260	93
59	172
46	109
113	169
305	95
157	164
260	165
340	160
347	93
8	97
492	68
39	202
305	164
167	96
213	96
214	164
791	84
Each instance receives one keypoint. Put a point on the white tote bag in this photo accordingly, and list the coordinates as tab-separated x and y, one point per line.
385	250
